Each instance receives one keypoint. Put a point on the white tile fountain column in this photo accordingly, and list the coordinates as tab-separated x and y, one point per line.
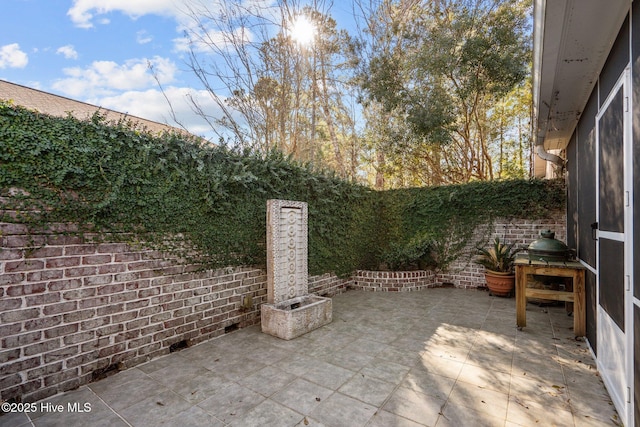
290	310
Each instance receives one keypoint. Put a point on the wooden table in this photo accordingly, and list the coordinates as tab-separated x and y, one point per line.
572	269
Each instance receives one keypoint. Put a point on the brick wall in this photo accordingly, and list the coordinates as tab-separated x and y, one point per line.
463	273
393	281
327	285
70	309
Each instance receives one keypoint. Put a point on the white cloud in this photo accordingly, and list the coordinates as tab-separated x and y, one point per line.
68	52
12	57
191	16
152	104
142	37
103	78
83	12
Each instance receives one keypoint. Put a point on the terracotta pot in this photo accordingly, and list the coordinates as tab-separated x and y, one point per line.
500	284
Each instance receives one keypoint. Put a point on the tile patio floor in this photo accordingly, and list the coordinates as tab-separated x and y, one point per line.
439	357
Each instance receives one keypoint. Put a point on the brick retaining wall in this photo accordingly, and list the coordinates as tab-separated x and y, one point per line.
393	281
70	309
327	285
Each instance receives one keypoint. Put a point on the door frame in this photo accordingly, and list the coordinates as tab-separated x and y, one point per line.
621	394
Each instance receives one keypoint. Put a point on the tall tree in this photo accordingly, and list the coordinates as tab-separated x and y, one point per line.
443	67
272	90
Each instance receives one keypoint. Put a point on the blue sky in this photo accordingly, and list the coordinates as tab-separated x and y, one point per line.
98	51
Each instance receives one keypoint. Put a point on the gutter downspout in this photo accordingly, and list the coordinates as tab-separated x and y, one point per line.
545	155
539	11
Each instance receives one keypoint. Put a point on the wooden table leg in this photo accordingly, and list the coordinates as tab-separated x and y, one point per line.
521	297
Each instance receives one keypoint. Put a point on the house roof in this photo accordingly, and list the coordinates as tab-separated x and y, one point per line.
572	39
59	106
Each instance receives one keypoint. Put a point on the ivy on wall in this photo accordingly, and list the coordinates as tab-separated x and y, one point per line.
117	178
433	226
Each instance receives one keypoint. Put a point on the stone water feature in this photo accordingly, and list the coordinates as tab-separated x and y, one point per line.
290	311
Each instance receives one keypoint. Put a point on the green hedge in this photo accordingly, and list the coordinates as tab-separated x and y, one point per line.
432	226
116	178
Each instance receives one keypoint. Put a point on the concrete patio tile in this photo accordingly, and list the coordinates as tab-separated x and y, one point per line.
501	323
531	390
302	396
340	410
368	390
387	419
471	321
589	421
320	351
79	420
532	346
498	360
397	355
333	340
291	346
429	367
421	328
543	369
450	335
410	344
539	354
352	360
577	359
385	370
155	409
529	413
71	410
447	352
580	383
192	417
440	366
118	379
479	399
235	367
15	419
367	346
490	341
415	406
267	380
297	364
420	380
268	414
172	359
457	416
485	377
309	422
269	354
231	403
178	375
319	334
204	351
121	396
342	326
201	387
328	375
500	328
388	331
592	405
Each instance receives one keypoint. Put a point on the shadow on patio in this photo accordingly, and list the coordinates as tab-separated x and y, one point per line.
439	357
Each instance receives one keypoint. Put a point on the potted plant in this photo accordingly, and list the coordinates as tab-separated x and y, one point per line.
498	263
